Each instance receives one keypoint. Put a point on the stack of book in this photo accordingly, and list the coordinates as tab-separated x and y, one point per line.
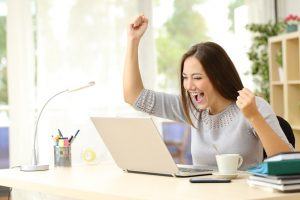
280	172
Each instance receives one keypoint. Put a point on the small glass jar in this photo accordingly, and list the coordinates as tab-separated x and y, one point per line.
62	156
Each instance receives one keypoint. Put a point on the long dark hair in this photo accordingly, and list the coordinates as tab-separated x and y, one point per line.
218	67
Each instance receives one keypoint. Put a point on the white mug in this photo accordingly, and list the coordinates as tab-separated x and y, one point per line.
229	163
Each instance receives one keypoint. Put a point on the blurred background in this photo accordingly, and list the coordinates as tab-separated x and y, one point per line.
48	46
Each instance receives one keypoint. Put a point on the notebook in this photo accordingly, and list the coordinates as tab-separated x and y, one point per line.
281	187
136	146
284	156
284	167
279	181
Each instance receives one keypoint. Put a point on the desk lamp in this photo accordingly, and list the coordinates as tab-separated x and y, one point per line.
35	166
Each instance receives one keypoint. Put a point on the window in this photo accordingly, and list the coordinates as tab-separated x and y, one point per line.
4	122
180	24
3	60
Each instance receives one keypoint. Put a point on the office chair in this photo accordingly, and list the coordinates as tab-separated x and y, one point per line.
176	137
288	131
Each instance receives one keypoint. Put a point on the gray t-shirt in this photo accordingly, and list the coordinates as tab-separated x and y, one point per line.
229	130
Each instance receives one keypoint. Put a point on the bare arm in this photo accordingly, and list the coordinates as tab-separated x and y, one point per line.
271	142
132	81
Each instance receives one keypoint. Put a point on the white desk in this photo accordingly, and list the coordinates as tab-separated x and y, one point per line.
106	181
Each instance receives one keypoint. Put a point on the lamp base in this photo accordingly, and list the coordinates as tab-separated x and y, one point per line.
32	168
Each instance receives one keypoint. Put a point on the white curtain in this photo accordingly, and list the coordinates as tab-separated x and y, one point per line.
261	11
20	55
264	11
286	7
79	41
20	72
76	41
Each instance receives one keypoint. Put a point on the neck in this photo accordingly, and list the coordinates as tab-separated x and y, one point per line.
219	106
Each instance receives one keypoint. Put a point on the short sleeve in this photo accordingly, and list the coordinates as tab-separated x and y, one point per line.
160	105
145	102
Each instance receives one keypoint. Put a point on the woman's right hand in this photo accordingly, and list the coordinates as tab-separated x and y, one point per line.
137	28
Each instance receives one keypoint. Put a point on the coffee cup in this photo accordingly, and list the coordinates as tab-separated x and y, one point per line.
229	163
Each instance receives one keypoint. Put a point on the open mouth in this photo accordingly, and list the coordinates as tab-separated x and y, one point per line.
198	96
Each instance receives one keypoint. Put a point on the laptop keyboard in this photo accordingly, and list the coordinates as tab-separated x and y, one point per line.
182	169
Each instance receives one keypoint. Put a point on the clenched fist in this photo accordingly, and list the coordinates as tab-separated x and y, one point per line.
137	27
246	103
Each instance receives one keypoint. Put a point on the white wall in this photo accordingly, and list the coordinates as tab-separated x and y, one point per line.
288	7
262	11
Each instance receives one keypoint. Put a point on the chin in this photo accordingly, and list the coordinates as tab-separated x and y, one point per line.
201	106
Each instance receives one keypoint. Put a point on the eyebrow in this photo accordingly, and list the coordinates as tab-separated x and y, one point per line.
192	74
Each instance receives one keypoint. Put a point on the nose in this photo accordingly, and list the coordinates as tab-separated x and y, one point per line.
189	84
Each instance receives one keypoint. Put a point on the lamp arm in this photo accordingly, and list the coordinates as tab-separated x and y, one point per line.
35	157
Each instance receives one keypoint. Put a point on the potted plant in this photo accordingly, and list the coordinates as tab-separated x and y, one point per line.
291	22
258	55
280	64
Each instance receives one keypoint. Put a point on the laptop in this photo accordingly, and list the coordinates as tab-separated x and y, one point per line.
136	146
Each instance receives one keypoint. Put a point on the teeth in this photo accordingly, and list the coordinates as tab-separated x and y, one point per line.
197	93
198	96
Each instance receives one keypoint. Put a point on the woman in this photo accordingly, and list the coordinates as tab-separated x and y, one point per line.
213	100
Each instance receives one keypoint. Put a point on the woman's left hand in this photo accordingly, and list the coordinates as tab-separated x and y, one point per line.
246	103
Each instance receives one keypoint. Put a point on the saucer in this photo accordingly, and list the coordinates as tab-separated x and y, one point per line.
227	176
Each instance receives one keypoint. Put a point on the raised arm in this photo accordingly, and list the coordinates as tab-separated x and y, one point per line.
132	81
271	141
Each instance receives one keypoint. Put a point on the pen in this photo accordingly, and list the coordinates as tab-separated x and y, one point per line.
76	133
73	138
60	134
54	140
70	140
61	142
66	142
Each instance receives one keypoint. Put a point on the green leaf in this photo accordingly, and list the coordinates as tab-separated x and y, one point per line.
258	54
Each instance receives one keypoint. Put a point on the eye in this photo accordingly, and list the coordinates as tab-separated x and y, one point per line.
197	78
184	77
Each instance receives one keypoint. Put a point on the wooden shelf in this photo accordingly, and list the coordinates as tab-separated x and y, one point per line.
296	82
280	38
297	128
277	99
276	83
285	89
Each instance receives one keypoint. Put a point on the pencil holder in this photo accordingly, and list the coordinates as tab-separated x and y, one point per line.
62	156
